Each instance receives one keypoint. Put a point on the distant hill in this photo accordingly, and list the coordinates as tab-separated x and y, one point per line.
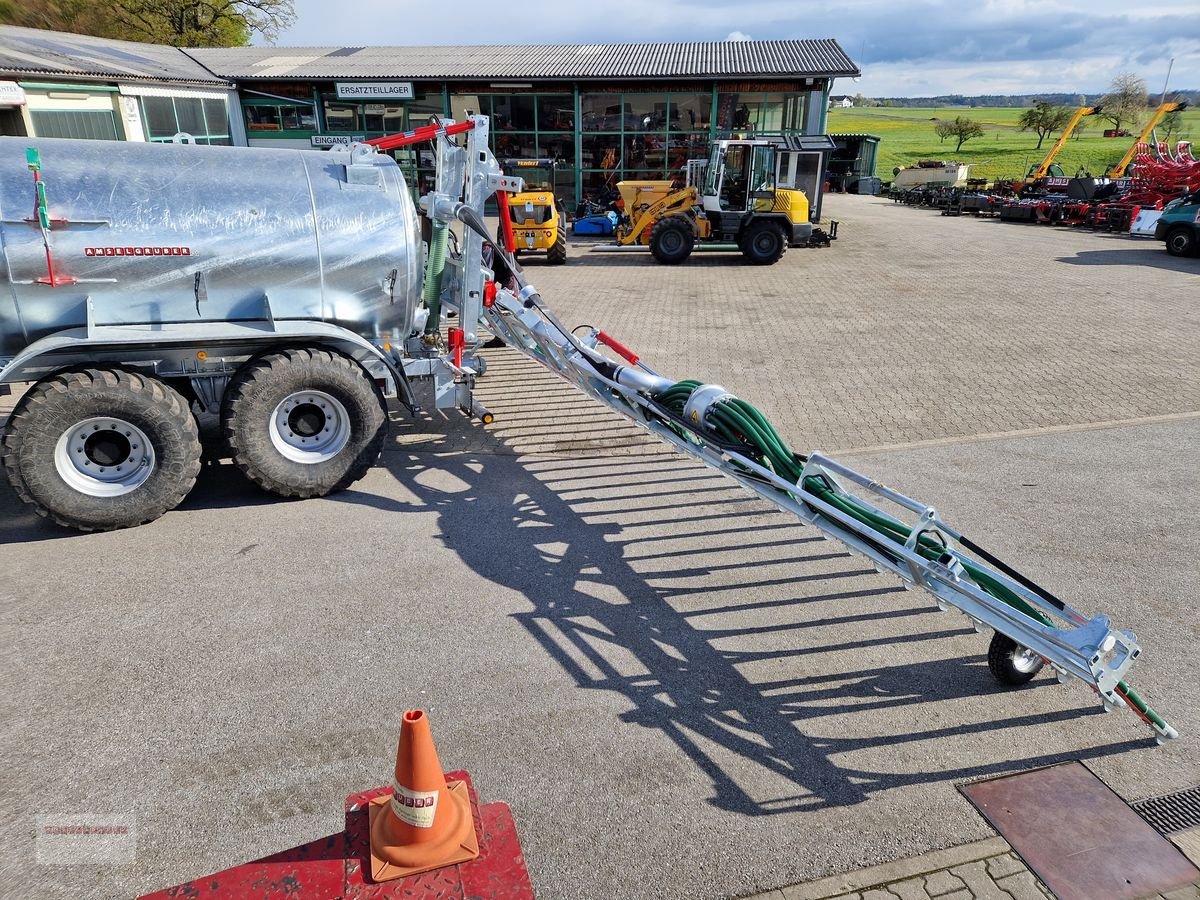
1009	100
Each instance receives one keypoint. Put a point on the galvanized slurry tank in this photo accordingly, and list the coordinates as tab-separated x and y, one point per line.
140	280
133	225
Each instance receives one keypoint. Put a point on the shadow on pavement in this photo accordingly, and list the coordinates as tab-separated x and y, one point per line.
1154	256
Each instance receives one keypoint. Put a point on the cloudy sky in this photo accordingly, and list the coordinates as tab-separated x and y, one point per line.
904	47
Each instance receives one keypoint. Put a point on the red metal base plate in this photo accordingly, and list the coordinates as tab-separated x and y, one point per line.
339	865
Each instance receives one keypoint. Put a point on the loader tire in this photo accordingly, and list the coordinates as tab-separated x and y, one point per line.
304	423
557	254
1010	663
763	243
672	240
101	449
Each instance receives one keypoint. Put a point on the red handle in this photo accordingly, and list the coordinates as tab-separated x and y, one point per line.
458	341
617	347
510	242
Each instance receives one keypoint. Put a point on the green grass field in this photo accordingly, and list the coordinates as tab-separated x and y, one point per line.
1004	151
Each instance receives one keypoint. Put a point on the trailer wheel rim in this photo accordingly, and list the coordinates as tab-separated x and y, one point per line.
104	457
1025	660
310	427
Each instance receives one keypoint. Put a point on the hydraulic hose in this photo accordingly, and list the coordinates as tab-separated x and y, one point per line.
435	266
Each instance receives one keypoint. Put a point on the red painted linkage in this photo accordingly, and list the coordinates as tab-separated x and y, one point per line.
510	242
416	136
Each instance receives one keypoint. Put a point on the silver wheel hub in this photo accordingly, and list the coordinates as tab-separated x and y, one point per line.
104	457
1025	660
310	427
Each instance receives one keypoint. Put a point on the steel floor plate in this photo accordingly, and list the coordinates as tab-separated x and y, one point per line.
1078	837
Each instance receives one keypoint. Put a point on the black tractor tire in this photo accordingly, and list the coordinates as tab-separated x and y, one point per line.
557	254
1010	663
305	422
37	448
672	240
1181	241
763	243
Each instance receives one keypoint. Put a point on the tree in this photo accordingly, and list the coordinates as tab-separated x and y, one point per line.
181	23
1171	124
1125	101
961	128
190	23
1044	118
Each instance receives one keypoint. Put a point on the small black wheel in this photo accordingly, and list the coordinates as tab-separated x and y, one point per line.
304	423
99	449
1010	663
1181	241
557	254
763	243
672	240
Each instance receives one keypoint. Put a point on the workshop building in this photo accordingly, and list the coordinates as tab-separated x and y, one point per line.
608	111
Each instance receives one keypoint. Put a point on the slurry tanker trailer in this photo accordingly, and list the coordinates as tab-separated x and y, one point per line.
293	292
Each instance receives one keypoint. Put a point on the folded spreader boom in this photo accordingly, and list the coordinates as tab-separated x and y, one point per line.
1031	626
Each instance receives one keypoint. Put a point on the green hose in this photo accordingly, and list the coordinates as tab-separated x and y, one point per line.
434	267
735	420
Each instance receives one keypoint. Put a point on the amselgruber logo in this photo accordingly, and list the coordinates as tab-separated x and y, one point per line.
137	251
91	839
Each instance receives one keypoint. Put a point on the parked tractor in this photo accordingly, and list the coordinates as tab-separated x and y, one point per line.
746	194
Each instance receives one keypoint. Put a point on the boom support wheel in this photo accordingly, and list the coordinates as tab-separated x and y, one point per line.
1010	663
100	449
304	423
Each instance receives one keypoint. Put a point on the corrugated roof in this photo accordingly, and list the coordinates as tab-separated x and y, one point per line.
715	59
33	52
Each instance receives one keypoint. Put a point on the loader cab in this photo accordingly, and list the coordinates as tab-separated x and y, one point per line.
740	178
751	199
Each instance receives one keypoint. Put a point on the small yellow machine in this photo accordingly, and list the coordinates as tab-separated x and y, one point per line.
536	213
744	194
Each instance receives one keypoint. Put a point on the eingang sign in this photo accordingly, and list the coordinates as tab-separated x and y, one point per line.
374	90
333	140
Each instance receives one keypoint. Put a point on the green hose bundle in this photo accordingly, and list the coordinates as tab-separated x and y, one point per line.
435	266
734	420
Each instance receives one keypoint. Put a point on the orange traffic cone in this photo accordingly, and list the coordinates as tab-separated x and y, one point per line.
425	824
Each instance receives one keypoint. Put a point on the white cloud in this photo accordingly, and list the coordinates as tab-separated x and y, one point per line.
904	47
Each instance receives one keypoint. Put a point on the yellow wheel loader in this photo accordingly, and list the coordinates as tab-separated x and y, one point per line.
538	220
745	194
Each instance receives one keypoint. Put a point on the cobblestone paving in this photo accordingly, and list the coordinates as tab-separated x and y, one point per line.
987	870
956	327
